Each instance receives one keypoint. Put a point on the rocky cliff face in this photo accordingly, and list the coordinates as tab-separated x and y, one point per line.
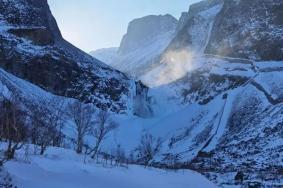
195	26
233	28
141	31
228	126
32	48
141	105
249	29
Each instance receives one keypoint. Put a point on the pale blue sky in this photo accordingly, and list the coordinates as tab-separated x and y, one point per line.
94	24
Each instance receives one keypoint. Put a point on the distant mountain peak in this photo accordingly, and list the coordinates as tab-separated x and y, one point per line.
146	28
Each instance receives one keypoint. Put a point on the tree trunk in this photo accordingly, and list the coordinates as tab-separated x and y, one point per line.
42	150
10	153
95	150
79	149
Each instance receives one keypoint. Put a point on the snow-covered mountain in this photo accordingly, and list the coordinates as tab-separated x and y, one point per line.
216	92
215	89
248	29
195	26
32	48
145	40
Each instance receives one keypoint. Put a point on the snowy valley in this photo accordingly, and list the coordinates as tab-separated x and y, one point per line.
194	102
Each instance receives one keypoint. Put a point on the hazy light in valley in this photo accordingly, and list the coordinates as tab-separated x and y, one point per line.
94	24
175	65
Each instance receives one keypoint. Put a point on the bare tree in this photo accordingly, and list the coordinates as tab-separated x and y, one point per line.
103	126
148	148
47	121
13	127
56	119
82	116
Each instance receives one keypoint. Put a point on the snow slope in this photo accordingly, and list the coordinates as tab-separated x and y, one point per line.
107	55
64	168
216	115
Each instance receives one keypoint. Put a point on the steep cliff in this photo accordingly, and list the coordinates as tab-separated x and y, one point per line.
248	29
195	26
32	48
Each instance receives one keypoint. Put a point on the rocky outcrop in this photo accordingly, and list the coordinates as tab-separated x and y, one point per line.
195	26
235	127
141	105
233	28
249	29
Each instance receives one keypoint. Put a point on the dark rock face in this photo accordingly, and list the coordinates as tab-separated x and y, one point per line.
32	48
249	29
182	21
141	105
38	36
30	13
194	27
246	29
206	86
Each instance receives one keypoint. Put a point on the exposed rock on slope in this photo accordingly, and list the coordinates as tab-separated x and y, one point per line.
249	29
222	118
32	48
195	27
229	119
232	105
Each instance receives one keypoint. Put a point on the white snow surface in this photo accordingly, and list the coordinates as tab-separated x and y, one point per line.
225	115
106	55
272	82
64	168
172	119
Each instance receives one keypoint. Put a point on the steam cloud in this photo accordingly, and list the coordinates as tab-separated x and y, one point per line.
174	65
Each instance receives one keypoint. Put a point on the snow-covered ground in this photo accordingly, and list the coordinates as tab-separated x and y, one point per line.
185	129
272	82
64	168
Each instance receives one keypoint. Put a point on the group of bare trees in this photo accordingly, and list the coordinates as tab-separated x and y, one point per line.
36	124
95	126
103	126
148	148
42	125
82	115
46	123
13	128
